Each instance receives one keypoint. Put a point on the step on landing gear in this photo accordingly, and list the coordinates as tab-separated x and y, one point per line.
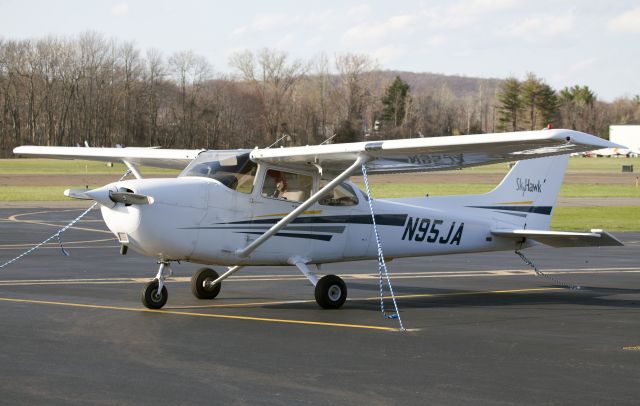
154	294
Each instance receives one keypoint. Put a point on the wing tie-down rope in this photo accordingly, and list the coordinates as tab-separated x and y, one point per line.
58	234
382	265
544	275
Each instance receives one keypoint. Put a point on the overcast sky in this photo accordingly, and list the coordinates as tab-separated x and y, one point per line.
594	43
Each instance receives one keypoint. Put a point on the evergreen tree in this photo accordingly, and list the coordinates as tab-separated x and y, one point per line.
548	105
530	92
510	105
539	102
577	105
394	102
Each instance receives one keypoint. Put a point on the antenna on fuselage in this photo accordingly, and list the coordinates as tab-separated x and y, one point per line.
278	140
328	139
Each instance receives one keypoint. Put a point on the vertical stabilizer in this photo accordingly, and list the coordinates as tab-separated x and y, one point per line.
530	191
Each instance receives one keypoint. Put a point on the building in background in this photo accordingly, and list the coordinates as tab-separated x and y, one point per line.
627	135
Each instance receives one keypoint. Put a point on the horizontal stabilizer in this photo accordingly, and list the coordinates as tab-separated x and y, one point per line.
559	239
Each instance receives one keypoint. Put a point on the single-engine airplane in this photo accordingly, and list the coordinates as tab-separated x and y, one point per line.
295	206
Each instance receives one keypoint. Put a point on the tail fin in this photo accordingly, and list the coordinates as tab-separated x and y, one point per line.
530	190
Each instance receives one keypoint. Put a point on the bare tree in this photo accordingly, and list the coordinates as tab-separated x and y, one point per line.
322	87
354	93
63	91
191	71
274	78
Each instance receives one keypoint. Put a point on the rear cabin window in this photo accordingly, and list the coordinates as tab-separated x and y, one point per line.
341	195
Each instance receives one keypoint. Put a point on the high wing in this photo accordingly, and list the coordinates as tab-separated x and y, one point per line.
435	153
392	156
560	239
159	158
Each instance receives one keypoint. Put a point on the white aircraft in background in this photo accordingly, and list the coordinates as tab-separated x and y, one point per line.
611	152
295	206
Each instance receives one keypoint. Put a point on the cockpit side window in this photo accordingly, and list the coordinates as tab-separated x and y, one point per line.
247	178
235	171
287	186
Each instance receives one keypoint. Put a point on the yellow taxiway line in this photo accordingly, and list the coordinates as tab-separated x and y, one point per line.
293	277
210	315
174	310
372	298
17	220
56	244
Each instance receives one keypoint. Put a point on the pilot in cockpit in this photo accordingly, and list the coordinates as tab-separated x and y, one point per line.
275	184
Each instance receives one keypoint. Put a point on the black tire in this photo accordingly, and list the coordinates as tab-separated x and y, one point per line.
150	297
331	292
198	280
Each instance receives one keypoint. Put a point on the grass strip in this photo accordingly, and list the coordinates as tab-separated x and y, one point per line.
618	218
36	193
37	166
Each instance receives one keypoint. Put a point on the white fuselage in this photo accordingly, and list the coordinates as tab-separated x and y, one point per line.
200	220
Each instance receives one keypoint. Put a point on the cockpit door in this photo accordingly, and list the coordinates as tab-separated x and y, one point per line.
279	192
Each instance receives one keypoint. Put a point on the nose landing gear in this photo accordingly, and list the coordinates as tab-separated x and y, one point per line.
154	297
154	294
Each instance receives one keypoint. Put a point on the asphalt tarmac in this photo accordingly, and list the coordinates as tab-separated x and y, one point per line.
481	328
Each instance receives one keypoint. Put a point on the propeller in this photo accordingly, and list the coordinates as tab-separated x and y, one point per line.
129	198
109	198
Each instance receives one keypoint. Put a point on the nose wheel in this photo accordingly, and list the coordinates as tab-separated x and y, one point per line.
154	294
154	297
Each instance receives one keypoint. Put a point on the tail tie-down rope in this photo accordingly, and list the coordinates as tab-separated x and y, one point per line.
382	266
544	275
59	233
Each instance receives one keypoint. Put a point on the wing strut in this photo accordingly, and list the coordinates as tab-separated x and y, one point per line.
246	251
132	168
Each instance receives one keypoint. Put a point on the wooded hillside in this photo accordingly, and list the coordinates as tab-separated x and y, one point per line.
56	91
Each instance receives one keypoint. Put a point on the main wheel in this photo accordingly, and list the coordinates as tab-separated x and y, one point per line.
150	296
331	292
200	284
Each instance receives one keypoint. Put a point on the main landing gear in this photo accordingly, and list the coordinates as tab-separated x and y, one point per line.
330	290
202	284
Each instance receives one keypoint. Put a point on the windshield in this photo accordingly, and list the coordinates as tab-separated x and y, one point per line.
233	169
